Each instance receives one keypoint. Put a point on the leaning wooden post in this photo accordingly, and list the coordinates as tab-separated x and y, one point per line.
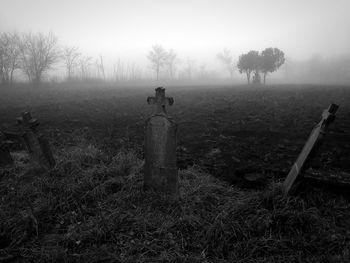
160	147
328	116
37	146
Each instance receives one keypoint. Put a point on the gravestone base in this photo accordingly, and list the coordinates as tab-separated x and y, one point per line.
160	151
161	179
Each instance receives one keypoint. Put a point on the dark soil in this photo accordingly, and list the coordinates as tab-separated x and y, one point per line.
222	129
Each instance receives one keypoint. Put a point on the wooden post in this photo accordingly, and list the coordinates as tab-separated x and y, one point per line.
313	141
37	146
5	156
46	150
160	147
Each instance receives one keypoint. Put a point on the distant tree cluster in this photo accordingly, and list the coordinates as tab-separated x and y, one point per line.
268	61
165	64
34	55
226	58
38	53
162	60
9	56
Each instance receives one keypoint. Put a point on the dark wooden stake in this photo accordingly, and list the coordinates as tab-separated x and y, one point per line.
160	147
313	141
46	150
37	145
5	156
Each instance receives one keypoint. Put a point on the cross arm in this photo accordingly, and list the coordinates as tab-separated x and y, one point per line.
153	100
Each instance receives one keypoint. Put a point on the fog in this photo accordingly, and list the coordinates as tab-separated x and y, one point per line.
314	34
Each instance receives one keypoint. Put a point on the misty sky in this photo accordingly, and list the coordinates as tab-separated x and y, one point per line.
197	28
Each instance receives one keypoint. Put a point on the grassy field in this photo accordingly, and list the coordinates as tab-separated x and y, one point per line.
91	207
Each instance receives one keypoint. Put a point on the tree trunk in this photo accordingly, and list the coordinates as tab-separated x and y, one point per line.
265	73
6	75
69	73
1	76
5	78
171	72
11	77
157	71
37	79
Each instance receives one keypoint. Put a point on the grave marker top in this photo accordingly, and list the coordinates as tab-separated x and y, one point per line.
328	115
160	101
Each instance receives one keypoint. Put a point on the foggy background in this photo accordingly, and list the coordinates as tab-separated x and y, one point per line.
314	34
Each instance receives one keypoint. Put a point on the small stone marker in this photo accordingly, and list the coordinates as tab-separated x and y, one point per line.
318	132
5	156
160	147
37	145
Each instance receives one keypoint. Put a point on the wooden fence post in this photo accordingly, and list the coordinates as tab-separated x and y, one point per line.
5	156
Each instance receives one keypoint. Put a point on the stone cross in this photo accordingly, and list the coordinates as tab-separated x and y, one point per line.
36	144
160	147
328	116
160	101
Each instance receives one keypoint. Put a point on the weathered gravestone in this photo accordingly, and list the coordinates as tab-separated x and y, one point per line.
160	147
36	144
328	116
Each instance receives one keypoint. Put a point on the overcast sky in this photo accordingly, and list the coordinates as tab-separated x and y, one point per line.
197	28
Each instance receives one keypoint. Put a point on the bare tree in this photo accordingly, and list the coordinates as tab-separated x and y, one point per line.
226	58
38	53
121	70
157	56
170	61
189	70
130	72
202	71
9	56
71	57
134	72
118	70
84	64
100	68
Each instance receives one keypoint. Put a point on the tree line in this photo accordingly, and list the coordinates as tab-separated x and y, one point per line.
268	61
35	54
